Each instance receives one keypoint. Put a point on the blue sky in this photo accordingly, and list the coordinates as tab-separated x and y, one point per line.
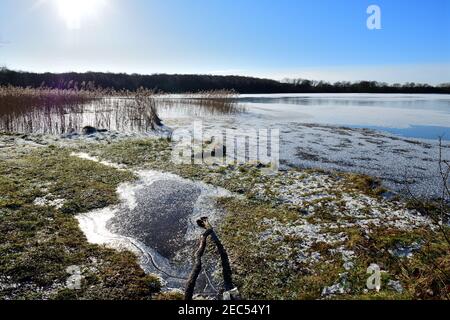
318	39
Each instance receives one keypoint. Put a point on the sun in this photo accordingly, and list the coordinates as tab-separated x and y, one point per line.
75	11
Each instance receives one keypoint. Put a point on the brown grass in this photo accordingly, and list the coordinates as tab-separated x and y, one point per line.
208	102
58	111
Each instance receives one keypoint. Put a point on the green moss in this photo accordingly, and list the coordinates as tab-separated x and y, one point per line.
423	276
135	152
363	183
170	295
39	243
259	271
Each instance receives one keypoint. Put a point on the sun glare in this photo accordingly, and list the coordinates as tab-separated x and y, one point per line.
75	11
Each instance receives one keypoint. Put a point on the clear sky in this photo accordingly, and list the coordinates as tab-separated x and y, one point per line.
317	39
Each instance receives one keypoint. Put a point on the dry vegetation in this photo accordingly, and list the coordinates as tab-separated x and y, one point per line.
293	235
56	111
213	101
213	98
59	111
309	234
41	110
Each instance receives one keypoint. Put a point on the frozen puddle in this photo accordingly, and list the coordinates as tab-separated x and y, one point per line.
156	219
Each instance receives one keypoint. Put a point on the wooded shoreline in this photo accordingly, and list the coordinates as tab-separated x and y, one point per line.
182	83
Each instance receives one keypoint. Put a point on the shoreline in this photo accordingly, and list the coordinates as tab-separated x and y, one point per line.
303	217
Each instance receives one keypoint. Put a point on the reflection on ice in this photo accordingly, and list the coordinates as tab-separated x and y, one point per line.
156	220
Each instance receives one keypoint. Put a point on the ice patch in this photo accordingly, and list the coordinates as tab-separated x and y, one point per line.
97	225
85	156
94	226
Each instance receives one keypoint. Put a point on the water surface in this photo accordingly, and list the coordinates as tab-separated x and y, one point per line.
408	115
393	137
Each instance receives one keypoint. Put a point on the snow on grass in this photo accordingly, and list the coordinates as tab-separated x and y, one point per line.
85	156
47	201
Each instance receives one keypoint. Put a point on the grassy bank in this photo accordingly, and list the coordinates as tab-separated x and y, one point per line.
311	234
40	239
290	235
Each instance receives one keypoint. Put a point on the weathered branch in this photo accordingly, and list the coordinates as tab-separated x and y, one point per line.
190	285
226	268
439	219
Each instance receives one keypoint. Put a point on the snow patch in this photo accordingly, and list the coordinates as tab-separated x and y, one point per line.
46	202
85	156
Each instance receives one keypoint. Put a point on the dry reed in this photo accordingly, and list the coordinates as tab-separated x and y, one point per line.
60	111
57	111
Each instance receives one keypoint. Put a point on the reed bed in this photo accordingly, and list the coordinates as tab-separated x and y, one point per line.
204	102
57	111
61	111
222	99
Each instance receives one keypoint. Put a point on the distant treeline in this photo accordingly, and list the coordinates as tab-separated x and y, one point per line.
177	83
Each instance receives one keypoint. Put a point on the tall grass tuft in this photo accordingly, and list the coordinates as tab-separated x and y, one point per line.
58	111
222	99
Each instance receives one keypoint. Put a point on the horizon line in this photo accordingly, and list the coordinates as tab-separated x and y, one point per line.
283	80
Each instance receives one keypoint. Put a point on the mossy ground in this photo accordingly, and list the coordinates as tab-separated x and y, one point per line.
263	273
284	242
39	242
261	268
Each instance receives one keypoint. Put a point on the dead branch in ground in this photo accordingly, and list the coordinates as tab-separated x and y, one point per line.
438	210
444	170
190	285
233	293
226	268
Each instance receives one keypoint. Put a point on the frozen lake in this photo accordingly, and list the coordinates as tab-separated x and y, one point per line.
394	137
408	115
